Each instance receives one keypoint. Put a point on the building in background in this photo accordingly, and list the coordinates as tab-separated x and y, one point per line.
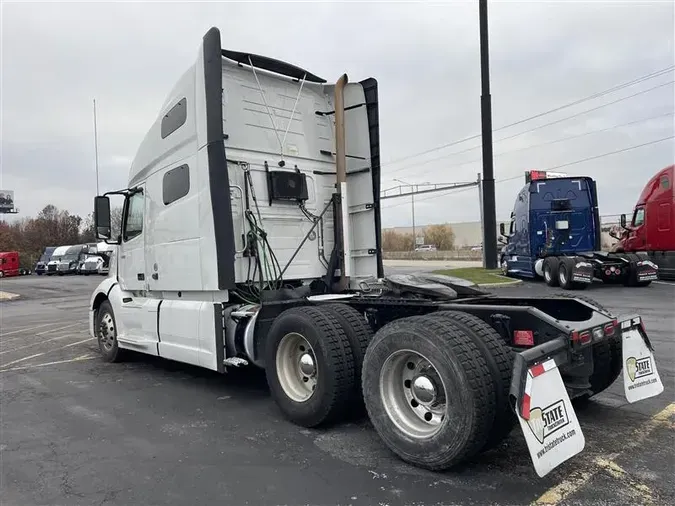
468	234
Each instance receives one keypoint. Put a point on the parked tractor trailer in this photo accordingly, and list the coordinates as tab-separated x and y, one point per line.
281	213
651	230
555	234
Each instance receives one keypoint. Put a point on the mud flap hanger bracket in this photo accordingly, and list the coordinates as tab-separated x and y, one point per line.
557	350
634	321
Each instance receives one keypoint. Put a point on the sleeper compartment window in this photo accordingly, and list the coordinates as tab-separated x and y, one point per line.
174	119
175	184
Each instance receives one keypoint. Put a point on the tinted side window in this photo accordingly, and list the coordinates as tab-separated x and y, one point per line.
133	225
174	119
175	184
665	183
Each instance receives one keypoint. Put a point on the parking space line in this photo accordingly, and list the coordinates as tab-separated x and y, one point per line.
3	334
39	334
45	352
76	359
577	479
616	471
41	342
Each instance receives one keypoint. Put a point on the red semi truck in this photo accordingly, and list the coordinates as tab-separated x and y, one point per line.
9	264
652	227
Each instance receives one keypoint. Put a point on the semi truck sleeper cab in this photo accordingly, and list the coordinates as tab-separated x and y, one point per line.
251	237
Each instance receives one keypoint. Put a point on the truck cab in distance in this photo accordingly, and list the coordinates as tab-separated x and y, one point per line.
554	233
652	227
41	265
10	265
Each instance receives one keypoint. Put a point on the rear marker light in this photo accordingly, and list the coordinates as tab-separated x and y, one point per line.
581	337
523	338
610	328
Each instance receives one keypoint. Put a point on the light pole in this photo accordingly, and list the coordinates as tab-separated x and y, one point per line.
96	147
488	204
412	202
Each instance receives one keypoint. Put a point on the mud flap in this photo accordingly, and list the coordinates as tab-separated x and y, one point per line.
582	272
646	270
641	379
547	419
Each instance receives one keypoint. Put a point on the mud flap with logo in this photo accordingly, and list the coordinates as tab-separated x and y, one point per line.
646	271
547	419
641	380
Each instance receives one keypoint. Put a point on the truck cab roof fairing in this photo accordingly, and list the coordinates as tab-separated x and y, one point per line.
272	65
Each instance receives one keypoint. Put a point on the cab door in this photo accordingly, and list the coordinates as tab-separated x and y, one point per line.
131	266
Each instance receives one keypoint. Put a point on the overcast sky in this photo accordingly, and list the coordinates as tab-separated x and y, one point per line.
56	57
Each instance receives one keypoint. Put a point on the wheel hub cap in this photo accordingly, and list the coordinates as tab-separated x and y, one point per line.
306	365
424	390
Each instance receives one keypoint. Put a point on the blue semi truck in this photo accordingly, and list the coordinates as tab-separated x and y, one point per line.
554	234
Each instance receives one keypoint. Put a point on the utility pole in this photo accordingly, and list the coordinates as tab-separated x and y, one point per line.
480	206
488	186
96	147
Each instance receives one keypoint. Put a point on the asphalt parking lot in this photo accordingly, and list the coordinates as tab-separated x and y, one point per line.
78	431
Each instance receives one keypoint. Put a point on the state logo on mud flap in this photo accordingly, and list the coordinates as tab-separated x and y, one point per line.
639	368
545	421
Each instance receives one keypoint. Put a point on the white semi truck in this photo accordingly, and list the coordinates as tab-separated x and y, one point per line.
251	236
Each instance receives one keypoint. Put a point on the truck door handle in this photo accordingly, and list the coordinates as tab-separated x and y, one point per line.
155	276
140	276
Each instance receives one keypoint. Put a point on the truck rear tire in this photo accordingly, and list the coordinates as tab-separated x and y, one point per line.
106	334
428	391
499	358
607	363
550	269
309	366
565	273
359	333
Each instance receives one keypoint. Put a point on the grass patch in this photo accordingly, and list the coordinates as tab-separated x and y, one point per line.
477	275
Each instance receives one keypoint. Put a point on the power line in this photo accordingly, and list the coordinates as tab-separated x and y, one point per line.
531	146
612	153
640	79
630	148
581	113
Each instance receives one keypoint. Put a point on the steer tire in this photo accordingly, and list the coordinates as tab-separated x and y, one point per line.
110	351
359	333
331	397
550	268
499	358
470	394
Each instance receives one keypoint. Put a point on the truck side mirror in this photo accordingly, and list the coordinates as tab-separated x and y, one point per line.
102	217
502	229
623	221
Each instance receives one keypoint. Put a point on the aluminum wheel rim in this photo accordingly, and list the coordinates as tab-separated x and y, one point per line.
404	381
296	366
563	274
106	331
547	272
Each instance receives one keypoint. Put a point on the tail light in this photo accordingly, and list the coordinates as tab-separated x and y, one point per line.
581	337
523	338
610	328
